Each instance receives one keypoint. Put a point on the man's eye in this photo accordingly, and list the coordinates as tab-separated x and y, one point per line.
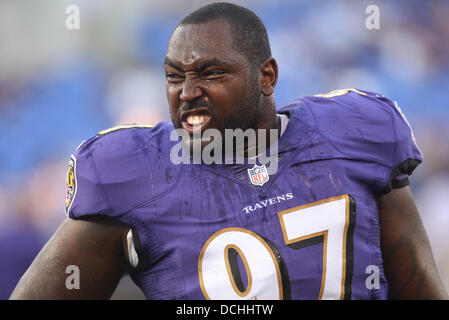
173	76
213	73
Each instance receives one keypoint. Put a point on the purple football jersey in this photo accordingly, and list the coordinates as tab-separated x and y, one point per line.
308	231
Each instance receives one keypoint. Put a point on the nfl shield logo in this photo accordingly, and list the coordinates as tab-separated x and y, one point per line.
258	175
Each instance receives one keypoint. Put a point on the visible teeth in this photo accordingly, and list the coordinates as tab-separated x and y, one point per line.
195	120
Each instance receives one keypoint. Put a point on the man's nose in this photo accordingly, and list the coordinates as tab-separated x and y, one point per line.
191	89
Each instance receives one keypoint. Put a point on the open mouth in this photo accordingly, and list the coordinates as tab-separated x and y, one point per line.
195	121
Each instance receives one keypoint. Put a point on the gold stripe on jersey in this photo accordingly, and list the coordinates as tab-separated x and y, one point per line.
340	92
125	126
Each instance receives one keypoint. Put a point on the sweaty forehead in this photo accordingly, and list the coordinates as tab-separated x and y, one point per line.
192	42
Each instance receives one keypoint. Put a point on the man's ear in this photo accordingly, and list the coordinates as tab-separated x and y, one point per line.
269	73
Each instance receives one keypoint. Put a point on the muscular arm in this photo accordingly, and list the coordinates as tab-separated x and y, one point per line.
94	245
408	261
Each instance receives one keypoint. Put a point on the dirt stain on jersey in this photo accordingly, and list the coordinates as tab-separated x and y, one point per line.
308	184
336	188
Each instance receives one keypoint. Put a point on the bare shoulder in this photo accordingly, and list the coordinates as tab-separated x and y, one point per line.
93	246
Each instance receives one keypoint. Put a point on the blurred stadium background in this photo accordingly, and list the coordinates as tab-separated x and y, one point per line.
60	86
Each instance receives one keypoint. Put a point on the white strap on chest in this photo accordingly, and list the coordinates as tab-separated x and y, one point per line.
132	254
284	121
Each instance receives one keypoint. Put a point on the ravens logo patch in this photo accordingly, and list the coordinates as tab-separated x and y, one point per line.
70	185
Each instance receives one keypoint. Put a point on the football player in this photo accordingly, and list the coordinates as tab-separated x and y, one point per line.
336	220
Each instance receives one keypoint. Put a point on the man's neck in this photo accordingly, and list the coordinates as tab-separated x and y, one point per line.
252	151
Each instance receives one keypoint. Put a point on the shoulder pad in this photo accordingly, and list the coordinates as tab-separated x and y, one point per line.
121	168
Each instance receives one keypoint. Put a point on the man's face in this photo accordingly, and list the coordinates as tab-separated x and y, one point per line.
209	83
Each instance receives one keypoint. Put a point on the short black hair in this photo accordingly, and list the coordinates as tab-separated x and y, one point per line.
250	35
